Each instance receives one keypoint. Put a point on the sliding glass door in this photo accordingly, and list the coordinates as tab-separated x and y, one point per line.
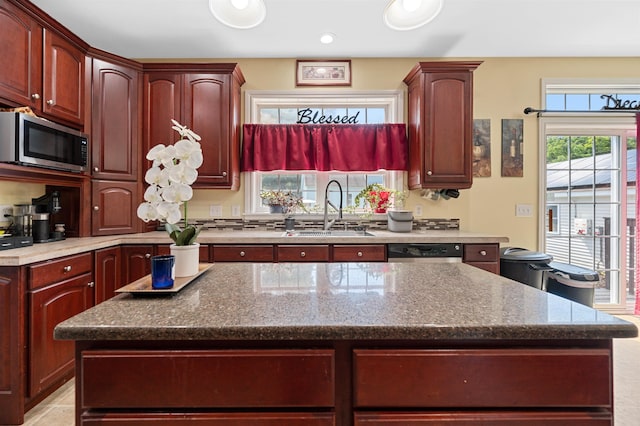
589	200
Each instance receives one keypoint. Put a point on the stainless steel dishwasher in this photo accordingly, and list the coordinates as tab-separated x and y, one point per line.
424	252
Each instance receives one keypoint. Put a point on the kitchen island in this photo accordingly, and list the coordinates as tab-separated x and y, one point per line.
345	344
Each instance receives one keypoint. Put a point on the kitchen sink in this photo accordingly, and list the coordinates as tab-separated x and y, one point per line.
330	233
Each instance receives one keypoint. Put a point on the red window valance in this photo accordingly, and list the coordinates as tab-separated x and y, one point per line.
324	147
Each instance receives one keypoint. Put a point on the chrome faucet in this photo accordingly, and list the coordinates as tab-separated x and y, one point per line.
327	203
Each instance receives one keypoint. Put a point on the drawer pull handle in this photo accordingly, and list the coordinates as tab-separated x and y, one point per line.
302	254
483	252
5	245
67	268
429	173
359	254
242	254
50	102
96	208
147	255
224	174
35	96
91	284
96	169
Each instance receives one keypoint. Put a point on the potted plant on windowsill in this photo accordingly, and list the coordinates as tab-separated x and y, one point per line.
172	172
374	196
280	201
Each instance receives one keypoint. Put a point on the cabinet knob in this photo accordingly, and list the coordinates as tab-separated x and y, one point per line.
302	254
242	254
147	256
35	96
96	208
67	268
91	284
483	252
429	172
96	169
359	254
50	102
224	174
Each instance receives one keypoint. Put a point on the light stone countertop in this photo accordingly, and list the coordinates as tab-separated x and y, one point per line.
46	251
353	301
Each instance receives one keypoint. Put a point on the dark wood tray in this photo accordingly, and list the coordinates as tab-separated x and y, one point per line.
143	285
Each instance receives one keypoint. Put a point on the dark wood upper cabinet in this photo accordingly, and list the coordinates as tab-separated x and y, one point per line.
115	122
42	68
114	207
441	124
205	98
21	53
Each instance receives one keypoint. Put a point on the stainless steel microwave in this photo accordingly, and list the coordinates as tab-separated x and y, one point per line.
34	141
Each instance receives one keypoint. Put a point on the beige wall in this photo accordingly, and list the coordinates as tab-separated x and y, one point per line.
503	87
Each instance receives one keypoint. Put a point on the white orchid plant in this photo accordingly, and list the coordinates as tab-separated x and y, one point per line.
173	171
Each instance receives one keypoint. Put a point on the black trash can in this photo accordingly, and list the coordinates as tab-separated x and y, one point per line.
572	282
524	266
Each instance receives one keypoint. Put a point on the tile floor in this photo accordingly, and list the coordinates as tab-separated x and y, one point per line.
58	408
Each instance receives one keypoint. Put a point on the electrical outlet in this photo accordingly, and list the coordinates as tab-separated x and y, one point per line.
235	210
4	211
524	210
215	210
418	210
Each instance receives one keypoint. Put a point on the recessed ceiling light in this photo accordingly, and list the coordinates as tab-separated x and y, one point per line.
240	14
327	38
405	15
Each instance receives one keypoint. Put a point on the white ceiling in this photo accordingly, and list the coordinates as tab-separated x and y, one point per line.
292	28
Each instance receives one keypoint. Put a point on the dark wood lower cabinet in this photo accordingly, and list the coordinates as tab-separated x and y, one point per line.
345	383
52	360
108	273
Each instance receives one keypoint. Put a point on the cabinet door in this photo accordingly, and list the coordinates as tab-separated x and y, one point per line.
21	53
162	96
114	207
115	126
136	262
108	273
63	79
52	359
206	106
441	124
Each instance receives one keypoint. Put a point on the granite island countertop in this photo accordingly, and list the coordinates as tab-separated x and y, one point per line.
353	301
70	246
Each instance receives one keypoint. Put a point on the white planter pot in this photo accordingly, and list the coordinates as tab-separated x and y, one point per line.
399	220
187	259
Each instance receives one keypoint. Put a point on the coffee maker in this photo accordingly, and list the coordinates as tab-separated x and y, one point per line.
44	207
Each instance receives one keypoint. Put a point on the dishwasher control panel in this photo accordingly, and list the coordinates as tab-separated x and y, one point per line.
424	250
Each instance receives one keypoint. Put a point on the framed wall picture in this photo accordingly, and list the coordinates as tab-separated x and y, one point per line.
481	147
323	73
512	148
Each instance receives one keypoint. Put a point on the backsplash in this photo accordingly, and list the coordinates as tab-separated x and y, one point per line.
264	224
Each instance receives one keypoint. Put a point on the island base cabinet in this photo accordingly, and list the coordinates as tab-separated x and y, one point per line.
205	380
483	378
483	418
210	419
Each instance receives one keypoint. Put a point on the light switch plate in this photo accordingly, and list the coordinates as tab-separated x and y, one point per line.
215	210
524	210
418	210
235	210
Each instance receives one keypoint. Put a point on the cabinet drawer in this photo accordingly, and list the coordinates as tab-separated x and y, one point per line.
480	253
537	418
210	419
359	253
59	269
483	378
303	253
232	253
207	379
